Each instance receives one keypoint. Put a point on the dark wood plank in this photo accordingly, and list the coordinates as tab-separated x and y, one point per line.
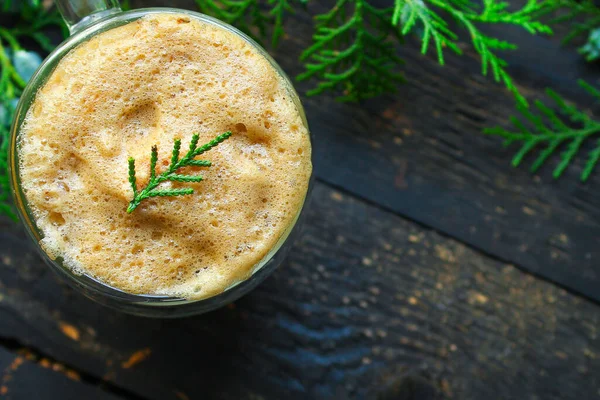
366	298
23	379
420	153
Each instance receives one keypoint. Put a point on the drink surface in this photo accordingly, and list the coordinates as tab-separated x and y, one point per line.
146	83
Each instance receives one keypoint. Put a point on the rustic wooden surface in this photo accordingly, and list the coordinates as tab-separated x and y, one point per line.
364	298
26	376
428	269
421	154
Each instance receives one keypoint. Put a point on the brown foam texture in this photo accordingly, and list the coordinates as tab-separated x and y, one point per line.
163	77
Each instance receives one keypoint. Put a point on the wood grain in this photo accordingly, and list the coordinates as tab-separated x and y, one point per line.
428	304
366	299
421	154
24	377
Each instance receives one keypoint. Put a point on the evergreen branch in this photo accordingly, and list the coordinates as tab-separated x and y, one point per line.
277	13
176	148
591	162
354	52
573	9
526	17
408	14
132	178
153	161
200	163
5	206
16	67
587	16
170	174
554	133
168	192
243	14
248	14
185	178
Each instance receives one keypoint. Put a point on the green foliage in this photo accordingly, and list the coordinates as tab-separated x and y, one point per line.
434	28
584	12
171	173
277	13
591	50
586	17
589	14
549	130
250	16
426	16
16	67
5	206
355	55
354	52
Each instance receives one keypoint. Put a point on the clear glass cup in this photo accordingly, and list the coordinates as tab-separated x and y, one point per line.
87	18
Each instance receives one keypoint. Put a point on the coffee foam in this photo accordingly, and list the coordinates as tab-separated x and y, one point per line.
163	77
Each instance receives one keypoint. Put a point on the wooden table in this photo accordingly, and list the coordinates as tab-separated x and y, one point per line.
428	267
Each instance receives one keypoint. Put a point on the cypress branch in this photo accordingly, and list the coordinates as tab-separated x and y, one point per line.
152	190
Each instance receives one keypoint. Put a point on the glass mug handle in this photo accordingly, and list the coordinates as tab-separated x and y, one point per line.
78	14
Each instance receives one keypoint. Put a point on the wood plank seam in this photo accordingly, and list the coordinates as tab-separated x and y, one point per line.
365	295
32	354
445	234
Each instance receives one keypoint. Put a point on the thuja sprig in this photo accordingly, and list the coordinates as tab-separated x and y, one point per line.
354	52
171	174
572	10
585	15
409	15
28	20
251	16
548	130
5	205
243	14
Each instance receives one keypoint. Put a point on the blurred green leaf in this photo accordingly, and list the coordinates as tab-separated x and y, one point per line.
28	19
26	63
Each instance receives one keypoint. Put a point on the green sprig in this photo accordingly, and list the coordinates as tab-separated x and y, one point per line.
5	206
406	15
278	12
31	19
170	174
585	14
250	16
409	15
354	52
550	130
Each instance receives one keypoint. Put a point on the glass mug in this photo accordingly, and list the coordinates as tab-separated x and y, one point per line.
85	19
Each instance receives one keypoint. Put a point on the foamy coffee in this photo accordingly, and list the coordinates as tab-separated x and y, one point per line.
162	77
